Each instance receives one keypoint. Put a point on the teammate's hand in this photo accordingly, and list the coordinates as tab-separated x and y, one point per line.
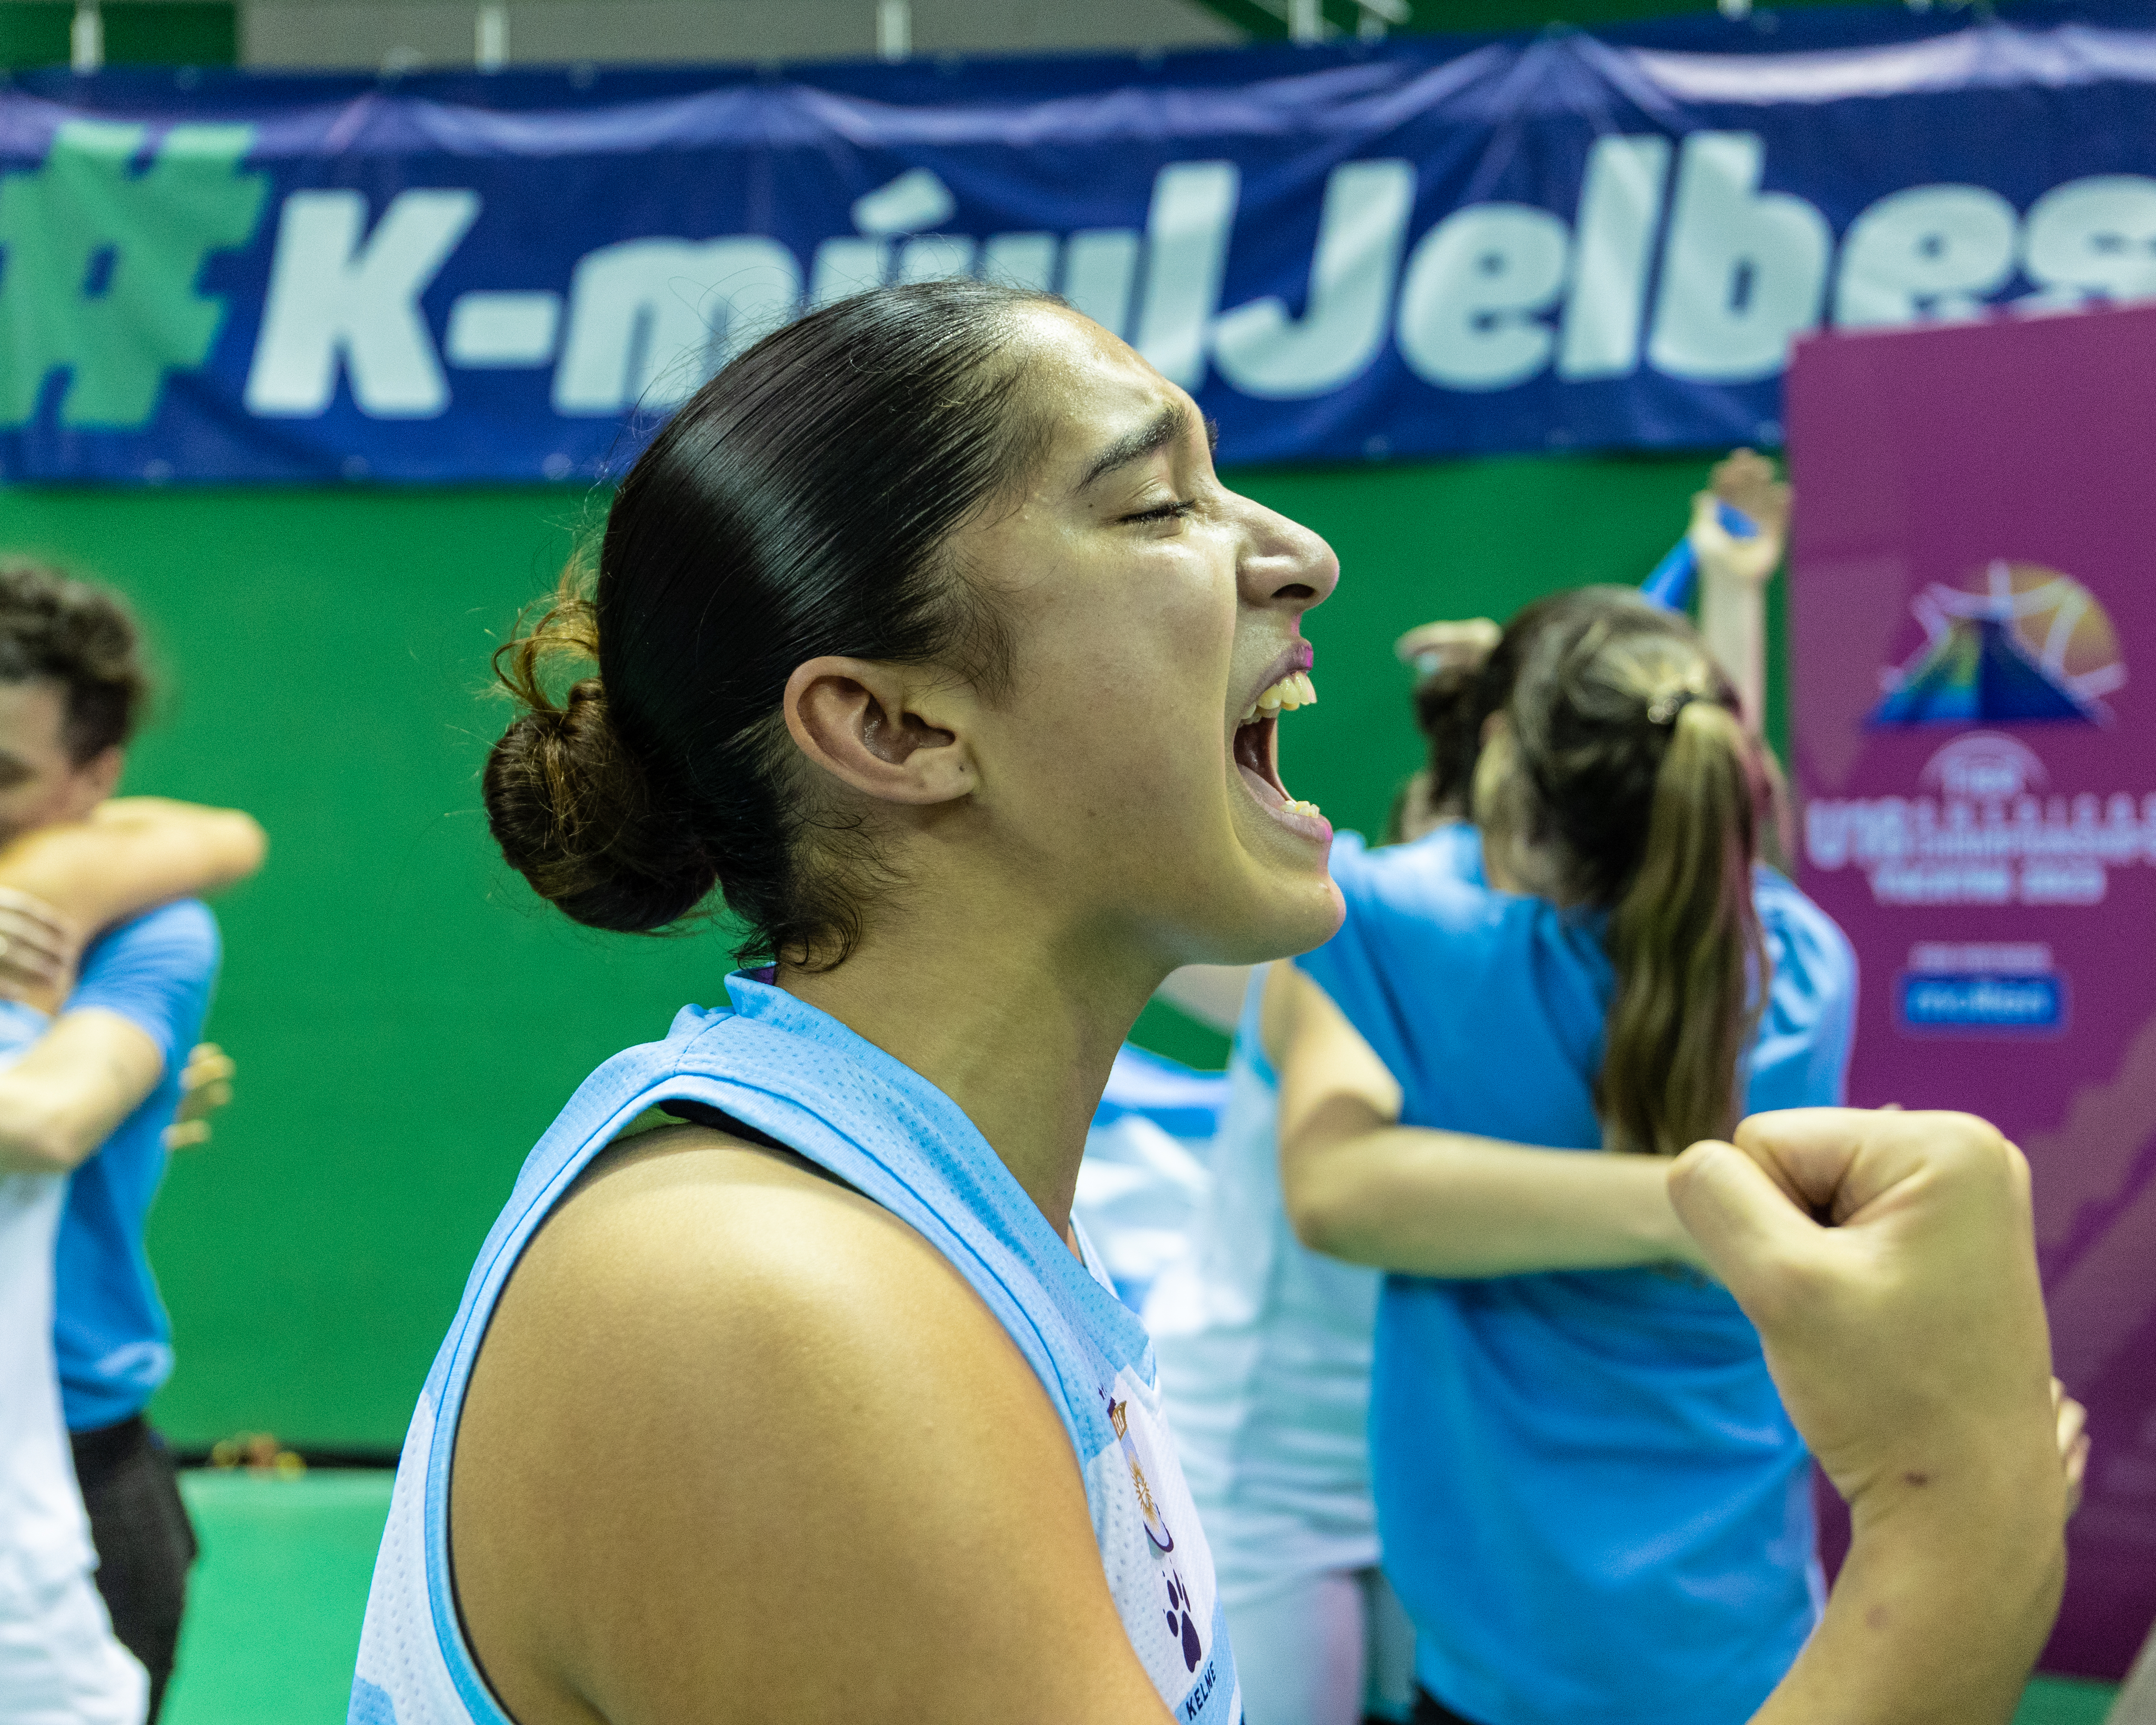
1745	481
1434	647
39	947
205	1087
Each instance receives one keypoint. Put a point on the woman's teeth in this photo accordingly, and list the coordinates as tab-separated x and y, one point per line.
1293	691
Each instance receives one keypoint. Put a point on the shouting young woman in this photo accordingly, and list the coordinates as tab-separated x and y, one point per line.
927	635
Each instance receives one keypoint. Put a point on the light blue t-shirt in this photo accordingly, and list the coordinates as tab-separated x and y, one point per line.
110	1335
1588	1494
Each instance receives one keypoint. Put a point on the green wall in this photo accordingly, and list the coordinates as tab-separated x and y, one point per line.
406	1016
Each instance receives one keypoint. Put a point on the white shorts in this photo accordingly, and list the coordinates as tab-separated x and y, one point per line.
1329	1649
58	1662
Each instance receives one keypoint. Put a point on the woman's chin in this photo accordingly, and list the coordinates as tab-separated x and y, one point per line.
1281	915
1319	913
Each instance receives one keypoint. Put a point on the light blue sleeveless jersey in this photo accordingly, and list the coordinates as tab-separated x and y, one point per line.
778	1065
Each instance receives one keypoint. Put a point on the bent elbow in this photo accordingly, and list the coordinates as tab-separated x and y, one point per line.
242	846
250	843
1319	1222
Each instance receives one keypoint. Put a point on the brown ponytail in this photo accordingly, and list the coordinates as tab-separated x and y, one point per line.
1638	781
1686	942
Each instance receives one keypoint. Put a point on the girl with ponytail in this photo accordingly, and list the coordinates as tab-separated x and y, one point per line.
1482	1078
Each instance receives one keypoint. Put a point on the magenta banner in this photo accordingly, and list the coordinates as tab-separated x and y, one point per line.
1974	648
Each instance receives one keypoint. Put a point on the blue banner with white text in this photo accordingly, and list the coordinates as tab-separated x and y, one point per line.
1355	251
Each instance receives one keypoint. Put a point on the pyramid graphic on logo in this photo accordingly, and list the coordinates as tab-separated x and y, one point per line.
2021	643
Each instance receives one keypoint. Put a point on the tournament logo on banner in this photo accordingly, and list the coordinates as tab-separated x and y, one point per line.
1973	650
1426	246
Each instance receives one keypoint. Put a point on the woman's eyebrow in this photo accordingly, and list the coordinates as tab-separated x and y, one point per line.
1165	427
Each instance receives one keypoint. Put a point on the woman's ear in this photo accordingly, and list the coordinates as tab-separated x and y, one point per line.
866	724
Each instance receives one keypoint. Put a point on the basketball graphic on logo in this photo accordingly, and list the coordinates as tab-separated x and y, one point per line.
2012	643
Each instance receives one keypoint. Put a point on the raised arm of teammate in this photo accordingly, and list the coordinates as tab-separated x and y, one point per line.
1734	573
87	1073
1359	1186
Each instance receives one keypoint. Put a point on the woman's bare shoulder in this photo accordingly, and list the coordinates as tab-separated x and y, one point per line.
748	1238
718	1385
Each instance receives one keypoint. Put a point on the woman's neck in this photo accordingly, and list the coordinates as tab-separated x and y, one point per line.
1018	1028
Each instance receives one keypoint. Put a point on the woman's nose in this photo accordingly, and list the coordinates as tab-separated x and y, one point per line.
1287	564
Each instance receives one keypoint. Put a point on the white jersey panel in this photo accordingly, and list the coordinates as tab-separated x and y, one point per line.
1168	1599
401	1674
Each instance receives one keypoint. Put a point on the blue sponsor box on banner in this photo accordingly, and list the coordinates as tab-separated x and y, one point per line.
1985	989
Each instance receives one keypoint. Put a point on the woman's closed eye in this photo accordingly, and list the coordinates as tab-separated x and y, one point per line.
1164	512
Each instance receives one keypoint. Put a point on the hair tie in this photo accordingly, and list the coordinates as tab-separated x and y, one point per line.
1664	709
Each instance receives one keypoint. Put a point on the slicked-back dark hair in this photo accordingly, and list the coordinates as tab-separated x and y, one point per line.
797	506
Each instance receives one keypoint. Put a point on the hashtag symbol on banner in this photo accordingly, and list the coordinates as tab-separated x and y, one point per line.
97	261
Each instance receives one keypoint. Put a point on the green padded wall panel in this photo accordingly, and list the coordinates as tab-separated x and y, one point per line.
406	1017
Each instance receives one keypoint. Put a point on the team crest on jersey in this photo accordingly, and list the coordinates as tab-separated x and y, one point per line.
1155	1525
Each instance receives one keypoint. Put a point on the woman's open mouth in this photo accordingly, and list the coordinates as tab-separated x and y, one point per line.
1257	753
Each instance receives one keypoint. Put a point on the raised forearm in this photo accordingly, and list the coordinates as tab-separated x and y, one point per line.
134	853
38	1135
1734	573
1732	621
71	1089
1445	1204
1938	1613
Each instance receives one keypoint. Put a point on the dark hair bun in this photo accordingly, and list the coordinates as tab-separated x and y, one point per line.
575	815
